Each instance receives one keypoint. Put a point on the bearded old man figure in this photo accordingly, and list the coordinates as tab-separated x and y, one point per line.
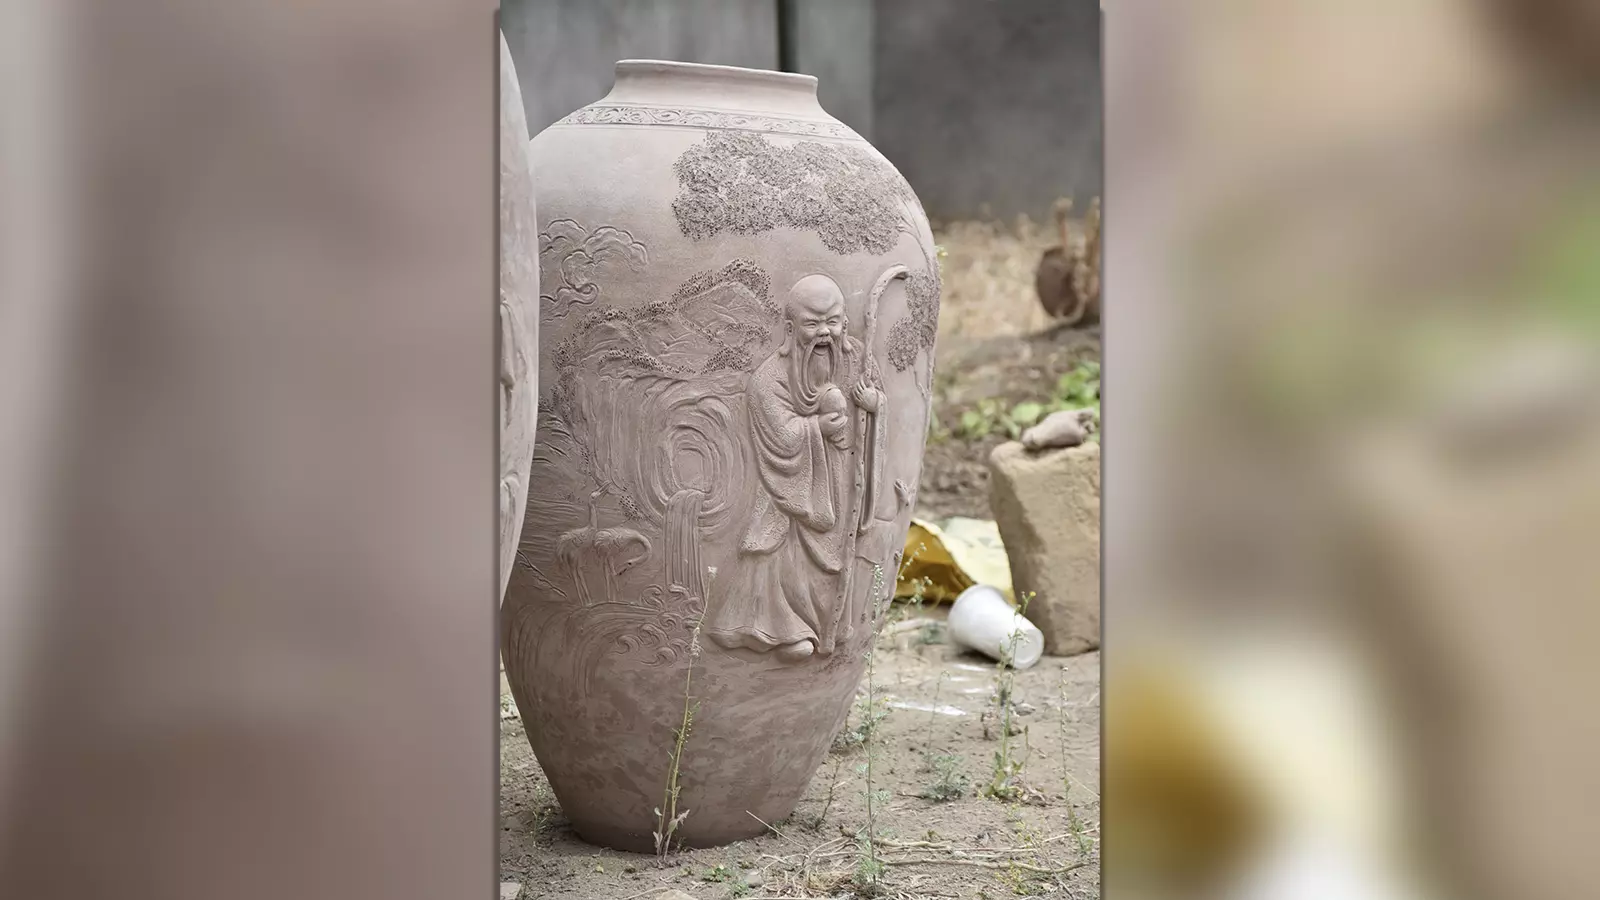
785	588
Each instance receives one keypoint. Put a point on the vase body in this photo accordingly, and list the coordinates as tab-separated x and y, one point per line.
738	310
517	341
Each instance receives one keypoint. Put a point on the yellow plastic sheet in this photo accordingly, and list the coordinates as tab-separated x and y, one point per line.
946	559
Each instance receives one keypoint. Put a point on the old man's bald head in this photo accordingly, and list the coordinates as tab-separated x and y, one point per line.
816	311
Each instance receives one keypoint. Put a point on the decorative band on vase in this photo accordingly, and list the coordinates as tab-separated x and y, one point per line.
606	114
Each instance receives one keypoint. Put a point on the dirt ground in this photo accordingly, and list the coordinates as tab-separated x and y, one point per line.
940	736
934	749
955	473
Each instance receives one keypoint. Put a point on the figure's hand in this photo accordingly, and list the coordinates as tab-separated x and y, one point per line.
866	397
832	401
834	425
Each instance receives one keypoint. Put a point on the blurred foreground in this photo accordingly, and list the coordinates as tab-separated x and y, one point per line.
1352	441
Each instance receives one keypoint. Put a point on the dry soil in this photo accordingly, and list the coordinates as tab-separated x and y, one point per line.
942	717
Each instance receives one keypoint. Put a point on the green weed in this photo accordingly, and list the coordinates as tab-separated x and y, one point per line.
950	783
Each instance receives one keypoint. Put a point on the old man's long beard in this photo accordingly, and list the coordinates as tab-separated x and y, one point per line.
814	370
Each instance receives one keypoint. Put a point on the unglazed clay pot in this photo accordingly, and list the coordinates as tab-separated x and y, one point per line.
740	299
518	339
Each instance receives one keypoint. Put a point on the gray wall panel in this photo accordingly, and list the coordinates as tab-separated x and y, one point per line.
565	49
983	104
832	39
990	103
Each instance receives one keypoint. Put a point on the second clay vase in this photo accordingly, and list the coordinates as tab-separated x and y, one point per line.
739	303
518	338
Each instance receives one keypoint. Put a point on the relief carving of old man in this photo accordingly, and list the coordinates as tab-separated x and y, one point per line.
785	587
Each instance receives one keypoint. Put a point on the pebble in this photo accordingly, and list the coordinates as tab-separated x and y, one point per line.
1064	428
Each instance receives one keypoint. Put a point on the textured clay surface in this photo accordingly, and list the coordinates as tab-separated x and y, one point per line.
738	314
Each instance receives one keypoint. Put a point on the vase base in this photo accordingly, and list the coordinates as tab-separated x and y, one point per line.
631	841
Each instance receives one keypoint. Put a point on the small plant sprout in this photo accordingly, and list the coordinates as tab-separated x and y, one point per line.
869	869
868	712
814	823
918	585
1080	835
1076	389
668	818
933	711
872	646
1005	780
949	783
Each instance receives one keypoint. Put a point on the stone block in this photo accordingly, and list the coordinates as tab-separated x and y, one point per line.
1047	506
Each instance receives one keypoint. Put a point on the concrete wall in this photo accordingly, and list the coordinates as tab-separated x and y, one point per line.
988	106
993	103
833	40
565	49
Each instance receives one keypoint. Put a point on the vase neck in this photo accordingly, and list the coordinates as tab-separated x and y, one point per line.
661	83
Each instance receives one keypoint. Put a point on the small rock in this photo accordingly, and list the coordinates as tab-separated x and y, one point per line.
510	890
674	894
1063	428
1024	709
1047	507
754	879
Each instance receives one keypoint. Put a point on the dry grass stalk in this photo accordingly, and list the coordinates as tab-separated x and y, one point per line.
667	816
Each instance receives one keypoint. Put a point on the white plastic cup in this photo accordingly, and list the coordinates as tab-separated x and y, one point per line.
982	620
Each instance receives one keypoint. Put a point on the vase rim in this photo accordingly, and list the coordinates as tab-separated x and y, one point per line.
668	84
793	81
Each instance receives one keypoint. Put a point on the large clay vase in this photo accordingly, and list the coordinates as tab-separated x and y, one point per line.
518	338
740	298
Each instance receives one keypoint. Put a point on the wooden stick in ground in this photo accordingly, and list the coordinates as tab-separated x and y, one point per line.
805	865
905	625
945	848
774	830
983	864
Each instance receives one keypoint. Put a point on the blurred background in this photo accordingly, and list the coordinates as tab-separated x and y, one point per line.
942	87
